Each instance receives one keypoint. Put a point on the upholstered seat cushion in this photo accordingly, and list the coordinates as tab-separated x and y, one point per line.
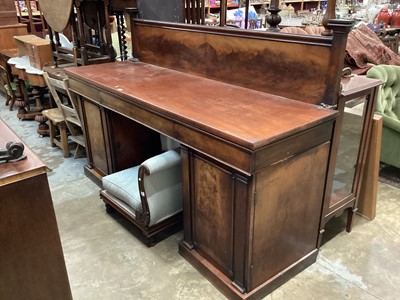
162	183
124	186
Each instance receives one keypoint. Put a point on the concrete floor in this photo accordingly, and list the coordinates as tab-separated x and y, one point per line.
106	261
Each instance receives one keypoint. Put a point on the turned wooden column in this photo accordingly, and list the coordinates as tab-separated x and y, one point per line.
121	29
22	97
274	18
329	14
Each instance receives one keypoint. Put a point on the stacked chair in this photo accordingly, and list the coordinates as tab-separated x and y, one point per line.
64	121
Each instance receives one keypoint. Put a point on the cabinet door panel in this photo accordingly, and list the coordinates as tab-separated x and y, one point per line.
212	211
132	143
95	137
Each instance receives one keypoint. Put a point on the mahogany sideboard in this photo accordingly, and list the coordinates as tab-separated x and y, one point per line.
31	258
256	139
252	172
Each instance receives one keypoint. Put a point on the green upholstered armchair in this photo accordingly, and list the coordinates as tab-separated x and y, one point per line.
388	105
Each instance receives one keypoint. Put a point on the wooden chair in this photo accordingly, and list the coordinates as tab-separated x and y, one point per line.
31	14
150	194
68	112
57	130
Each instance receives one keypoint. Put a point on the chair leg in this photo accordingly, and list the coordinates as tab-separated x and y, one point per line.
79	151
109	208
63	137
11	103
151	241
52	132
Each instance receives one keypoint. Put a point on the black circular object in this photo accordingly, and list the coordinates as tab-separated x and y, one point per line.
15	149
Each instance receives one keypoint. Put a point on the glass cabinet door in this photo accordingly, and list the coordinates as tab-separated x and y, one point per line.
349	146
348	151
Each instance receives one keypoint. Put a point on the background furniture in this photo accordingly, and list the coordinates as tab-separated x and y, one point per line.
194	11
33	53
91	30
390	37
23	72
31	258
66	109
7	43
8	88
149	195
57	129
29	13
352	136
120	9
369	185
388	105
294	30
8	15
9	27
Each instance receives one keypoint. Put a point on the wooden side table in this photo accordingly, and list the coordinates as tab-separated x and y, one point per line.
31	258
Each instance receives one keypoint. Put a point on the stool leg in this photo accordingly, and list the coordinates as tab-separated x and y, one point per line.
79	151
63	137
11	102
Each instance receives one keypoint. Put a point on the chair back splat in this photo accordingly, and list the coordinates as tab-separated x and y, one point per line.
67	107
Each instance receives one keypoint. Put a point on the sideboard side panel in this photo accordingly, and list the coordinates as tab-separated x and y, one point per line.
99	157
287	211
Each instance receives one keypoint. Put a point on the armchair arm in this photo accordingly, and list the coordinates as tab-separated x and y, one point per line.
160	187
161	162
391	123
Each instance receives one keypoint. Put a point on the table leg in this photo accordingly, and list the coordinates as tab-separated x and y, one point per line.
21	103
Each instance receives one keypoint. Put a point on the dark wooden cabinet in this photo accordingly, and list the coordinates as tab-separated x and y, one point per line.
31	258
247	189
255	133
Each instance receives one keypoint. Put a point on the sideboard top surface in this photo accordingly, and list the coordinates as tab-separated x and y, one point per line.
11	172
250	118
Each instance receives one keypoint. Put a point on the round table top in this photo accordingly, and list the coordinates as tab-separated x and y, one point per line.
56	13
